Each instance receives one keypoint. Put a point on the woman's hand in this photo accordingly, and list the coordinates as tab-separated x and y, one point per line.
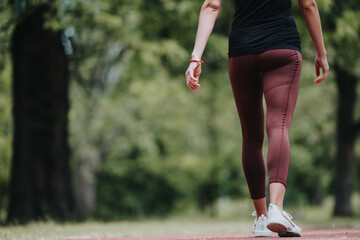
321	62
192	75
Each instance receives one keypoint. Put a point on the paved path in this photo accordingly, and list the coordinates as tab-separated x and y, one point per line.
318	235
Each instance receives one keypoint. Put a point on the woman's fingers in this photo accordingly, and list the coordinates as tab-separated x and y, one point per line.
323	64
191	79
322	78
193	85
319	80
192	82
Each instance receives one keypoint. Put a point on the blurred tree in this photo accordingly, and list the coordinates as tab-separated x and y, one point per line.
6	28
104	30
40	177
343	29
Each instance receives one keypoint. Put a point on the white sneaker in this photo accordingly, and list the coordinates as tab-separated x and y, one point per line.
280	222
259	228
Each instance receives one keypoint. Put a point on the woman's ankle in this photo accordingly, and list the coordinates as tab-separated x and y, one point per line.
260	207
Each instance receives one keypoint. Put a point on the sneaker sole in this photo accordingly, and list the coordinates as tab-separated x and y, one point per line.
282	230
260	234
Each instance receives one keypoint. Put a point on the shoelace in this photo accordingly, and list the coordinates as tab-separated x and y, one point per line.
287	214
254	214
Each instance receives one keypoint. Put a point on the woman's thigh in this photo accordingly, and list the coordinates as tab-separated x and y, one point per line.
281	79
246	83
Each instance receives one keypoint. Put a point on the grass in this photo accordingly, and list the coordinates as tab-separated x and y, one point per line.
232	217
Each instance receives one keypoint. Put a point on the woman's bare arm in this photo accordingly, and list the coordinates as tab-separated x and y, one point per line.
311	16
209	12
208	15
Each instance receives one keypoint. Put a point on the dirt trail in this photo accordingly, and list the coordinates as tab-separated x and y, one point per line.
319	235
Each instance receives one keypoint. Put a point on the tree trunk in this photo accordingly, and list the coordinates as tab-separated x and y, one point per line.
88	163
317	194
40	176
347	131
87	167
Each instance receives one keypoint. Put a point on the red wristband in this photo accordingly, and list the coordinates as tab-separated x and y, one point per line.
199	61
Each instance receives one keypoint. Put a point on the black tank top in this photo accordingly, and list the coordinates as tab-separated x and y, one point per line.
261	25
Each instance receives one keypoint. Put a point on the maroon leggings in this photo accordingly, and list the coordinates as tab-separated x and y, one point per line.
276	74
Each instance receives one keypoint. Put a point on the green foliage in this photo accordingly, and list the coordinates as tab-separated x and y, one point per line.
137	115
136	193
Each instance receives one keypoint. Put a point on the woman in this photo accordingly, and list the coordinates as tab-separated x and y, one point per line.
264	59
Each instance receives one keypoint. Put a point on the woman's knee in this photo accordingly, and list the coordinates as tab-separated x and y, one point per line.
277	129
